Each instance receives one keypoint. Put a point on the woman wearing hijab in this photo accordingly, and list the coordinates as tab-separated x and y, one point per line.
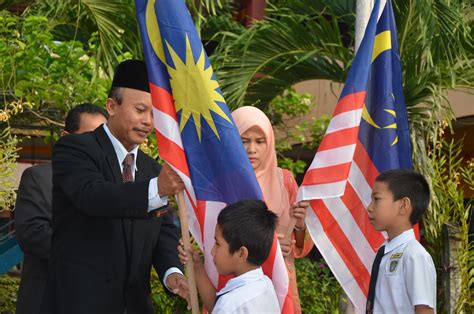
278	187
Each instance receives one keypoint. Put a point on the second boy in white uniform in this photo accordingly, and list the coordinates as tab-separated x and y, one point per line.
403	277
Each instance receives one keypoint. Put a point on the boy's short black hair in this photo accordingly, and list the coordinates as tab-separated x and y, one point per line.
73	118
249	223
408	183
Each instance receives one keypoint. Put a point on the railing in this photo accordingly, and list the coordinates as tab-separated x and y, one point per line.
10	252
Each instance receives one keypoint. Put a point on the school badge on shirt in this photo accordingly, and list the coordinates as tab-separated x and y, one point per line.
394	259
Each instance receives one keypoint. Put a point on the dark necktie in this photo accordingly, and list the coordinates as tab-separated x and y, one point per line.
373	280
218	297
127	224
127	164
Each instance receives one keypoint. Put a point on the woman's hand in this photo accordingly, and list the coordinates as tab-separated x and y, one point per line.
183	257
285	245
298	211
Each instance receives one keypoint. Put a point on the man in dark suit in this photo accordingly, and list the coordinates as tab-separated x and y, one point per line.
105	191
33	211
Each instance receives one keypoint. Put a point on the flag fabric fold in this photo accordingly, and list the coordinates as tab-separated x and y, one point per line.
367	135
195	131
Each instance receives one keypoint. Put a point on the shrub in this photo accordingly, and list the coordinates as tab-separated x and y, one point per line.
318	289
8	291
163	302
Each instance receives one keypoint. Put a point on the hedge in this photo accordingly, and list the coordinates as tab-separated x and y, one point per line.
318	289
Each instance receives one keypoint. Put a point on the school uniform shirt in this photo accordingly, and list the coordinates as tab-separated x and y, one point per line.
251	292
407	276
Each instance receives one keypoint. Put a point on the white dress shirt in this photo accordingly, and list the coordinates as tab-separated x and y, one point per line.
251	292
154	199
407	276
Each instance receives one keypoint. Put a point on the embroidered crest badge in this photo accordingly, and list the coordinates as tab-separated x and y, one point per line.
396	255
393	265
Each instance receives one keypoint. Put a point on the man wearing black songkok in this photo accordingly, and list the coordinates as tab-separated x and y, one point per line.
106	235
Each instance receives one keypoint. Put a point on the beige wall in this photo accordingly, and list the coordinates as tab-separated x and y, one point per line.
326	94
462	102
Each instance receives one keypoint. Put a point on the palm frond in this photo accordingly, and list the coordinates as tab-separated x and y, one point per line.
218	28
212	7
338	8
439	30
113	21
436	53
277	53
117	28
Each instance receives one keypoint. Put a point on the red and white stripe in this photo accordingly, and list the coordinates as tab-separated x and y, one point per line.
202	215
339	184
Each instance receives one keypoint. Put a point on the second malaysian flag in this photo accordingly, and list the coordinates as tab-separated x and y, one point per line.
368	134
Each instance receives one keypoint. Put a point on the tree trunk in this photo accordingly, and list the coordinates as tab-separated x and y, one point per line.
451	275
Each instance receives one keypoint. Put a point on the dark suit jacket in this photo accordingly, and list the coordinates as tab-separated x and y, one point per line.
33	211
104	239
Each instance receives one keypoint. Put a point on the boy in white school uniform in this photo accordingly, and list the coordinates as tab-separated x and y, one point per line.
243	240
406	281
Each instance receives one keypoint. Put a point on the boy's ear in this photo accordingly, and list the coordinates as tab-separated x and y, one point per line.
405	206
243	253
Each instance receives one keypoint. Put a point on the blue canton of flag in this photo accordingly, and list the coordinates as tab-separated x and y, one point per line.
384	128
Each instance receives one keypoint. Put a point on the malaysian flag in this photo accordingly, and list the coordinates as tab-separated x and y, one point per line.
195	131
368	134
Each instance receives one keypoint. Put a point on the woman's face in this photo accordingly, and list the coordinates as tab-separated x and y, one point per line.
255	145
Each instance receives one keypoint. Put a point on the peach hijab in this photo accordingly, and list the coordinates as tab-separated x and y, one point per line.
269	176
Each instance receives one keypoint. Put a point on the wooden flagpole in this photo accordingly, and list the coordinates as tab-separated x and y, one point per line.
289	231
183	217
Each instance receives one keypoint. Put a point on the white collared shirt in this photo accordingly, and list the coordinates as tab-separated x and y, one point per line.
407	276
251	292
154	199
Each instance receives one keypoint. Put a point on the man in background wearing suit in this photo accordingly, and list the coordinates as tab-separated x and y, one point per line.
105	192
33	211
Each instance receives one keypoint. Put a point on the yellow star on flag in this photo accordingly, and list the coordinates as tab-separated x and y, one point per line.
195	92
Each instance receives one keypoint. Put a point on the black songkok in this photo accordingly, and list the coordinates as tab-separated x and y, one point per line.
131	74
